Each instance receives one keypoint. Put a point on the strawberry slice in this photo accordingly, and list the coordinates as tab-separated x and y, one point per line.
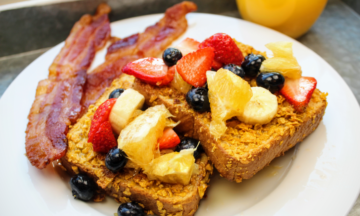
169	139
298	92
101	115
170	76
226	51
216	65
103	139
190	45
192	67
187	46
150	70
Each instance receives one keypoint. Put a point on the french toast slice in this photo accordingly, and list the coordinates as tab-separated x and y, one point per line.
131	185
244	149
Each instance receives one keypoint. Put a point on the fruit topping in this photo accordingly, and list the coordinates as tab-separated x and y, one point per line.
101	115
187	46
100	134
175	167
169	139
190	143
130	209
171	56
228	95
271	81
216	65
198	99
298	92
115	159
283	61
83	187
237	70
226	50
193	66
104	139
179	83
150	70
252	64
116	93
170	76
125	108
139	139
261	108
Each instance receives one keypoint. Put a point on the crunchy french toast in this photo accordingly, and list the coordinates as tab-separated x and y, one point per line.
244	149
129	184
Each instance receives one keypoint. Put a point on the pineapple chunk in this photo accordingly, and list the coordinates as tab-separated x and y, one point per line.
228	96
139	138
180	84
125	109
175	167
283	61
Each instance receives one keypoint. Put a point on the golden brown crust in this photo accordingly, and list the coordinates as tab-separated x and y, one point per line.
130	184
244	149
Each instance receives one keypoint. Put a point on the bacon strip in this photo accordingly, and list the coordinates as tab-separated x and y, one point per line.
57	101
151	43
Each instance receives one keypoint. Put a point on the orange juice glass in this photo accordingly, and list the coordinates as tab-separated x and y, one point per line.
291	17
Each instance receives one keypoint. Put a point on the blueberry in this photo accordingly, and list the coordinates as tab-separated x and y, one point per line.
130	209
271	81
171	56
198	99
190	143
116	93
115	159
251	64
83	187
237	70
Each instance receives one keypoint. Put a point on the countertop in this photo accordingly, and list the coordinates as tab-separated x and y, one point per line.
334	36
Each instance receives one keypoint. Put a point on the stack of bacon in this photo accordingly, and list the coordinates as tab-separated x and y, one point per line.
69	90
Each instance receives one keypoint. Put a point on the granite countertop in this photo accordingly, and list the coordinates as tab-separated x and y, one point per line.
335	37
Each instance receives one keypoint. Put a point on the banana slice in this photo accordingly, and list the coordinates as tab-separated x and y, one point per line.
261	108
125	109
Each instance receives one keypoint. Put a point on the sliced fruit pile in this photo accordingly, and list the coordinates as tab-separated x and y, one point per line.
141	136
139	139
226	93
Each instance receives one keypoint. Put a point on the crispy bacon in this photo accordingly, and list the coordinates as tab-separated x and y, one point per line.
151	43
57	100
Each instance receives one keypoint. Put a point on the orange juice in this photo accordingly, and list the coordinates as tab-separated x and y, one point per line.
291	17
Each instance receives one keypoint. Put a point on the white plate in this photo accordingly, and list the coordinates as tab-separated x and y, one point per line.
320	177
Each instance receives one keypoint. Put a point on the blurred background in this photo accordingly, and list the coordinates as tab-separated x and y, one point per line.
331	28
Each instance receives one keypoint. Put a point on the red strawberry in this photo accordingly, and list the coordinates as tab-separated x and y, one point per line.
187	46
170	76
101	115
226	51
298	91
216	65
193	66
103	139
150	70
169	139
